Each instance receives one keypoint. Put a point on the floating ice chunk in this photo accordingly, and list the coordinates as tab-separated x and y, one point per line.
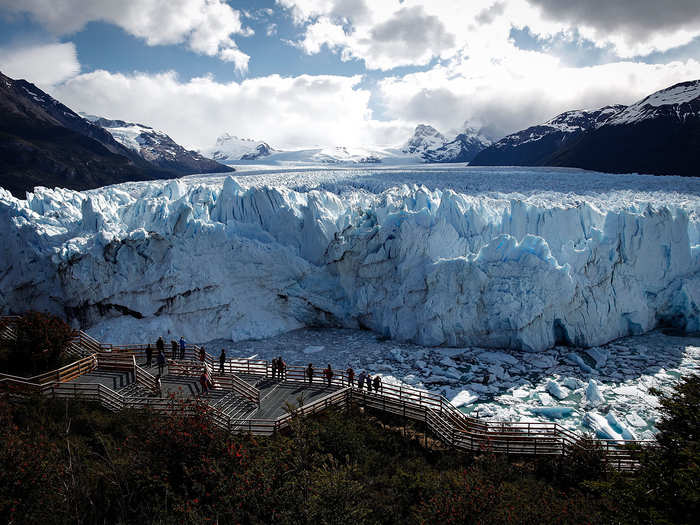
576	359
313	349
600	426
554	389
521	393
545	398
553	412
618	427
572	383
497	357
593	395
599	355
465	397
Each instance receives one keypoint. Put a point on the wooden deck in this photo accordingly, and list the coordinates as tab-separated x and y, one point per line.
246	398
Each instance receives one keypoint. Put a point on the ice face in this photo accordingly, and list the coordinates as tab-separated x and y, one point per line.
433	264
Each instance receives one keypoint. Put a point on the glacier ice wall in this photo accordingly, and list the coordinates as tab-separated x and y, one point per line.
429	266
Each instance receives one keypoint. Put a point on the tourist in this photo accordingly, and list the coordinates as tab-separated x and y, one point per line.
368	380
173	346
328	372
274	368
361	380
149	356
160	345
310	373
282	367
202	354
222	361
203	382
377	384
182	348
351	376
161	362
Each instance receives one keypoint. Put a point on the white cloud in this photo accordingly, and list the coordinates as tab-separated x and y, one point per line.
395	33
519	90
633	27
288	112
41	64
206	26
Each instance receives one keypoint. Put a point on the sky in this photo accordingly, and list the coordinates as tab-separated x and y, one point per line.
346	72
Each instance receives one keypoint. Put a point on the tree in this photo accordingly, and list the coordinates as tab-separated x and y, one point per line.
40	344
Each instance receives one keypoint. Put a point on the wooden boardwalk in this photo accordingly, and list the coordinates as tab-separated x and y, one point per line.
247	398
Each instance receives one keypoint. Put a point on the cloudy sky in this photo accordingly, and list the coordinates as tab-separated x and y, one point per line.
329	72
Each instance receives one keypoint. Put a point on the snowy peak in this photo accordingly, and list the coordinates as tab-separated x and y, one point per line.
231	148
157	148
424	138
432	146
679	102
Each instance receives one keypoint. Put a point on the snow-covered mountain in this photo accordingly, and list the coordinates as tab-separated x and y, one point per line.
424	138
157	148
45	143
535	145
660	134
430	145
230	148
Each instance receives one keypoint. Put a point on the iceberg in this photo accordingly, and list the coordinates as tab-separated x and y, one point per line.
593	395
431	263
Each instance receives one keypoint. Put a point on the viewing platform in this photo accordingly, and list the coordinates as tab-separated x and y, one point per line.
248	397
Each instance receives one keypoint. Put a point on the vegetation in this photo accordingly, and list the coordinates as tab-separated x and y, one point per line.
73	462
39	346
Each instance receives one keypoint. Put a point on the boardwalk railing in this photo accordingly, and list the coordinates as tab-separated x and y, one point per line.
144	378
238	385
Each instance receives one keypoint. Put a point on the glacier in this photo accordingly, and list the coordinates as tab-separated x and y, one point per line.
523	259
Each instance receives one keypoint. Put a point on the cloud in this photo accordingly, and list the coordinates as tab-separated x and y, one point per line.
286	111
42	64
519	90
205	26
634	27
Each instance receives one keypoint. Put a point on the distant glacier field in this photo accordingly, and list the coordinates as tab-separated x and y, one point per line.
448	261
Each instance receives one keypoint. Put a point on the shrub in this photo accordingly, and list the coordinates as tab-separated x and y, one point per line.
40	344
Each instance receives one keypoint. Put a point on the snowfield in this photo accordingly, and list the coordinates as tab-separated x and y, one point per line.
474	259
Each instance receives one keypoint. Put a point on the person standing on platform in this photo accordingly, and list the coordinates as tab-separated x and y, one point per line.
222	361
182	347
202	354
351	377
310	373
273	365
173	347
282	366
361	380
160	345
149	356
377	384
161	362
328	372
368	380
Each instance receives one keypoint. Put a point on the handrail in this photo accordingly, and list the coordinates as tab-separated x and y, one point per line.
238	385
144	378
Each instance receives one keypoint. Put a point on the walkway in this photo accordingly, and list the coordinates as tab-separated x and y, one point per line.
246	398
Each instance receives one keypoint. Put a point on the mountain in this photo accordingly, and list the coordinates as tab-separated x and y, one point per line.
230	148
45	143
157	148
463	148
432	146
425	138
660	134
535	145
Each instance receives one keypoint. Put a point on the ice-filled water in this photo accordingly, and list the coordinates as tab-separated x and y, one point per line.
492	258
